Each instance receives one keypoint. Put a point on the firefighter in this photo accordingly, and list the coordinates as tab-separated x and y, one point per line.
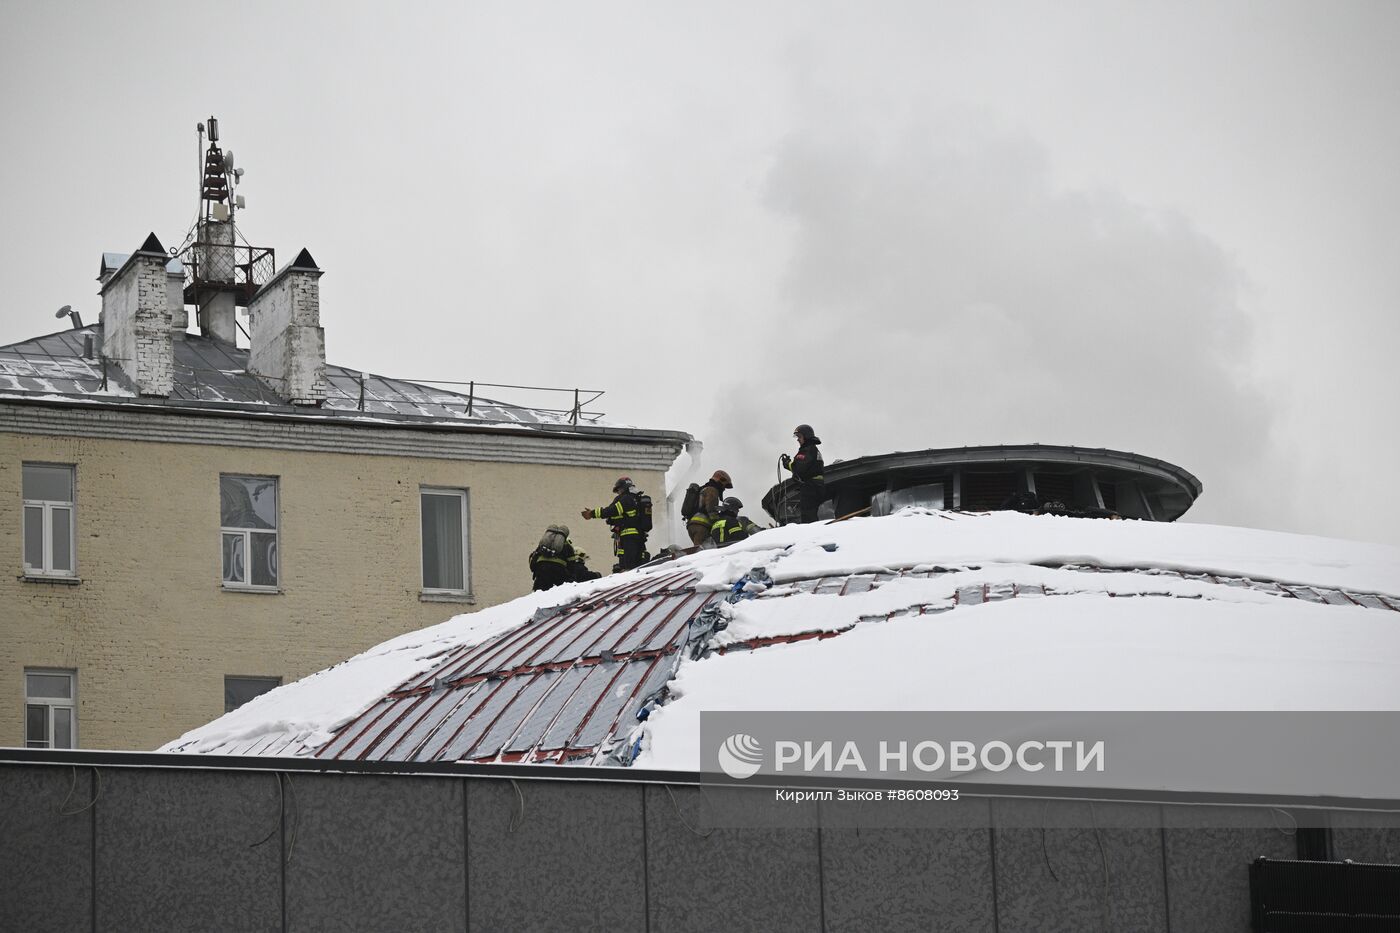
698	524
730	526
623	516
806	469
553	560
578	568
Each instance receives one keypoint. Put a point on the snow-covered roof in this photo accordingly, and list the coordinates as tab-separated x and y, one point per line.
921	610
210	372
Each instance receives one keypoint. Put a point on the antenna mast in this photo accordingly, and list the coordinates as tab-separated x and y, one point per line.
220	275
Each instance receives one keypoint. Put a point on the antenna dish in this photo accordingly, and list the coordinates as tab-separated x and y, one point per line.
238	174
228	160
64	311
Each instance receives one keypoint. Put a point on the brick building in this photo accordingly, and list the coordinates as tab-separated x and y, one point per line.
191	521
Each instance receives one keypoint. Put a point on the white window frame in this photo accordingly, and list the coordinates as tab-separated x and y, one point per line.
463	495
48	506
52	703
247	534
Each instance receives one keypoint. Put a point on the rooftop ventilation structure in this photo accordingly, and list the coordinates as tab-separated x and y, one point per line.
1089	482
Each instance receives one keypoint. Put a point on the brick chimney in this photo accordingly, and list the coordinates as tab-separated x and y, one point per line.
288	349
137	321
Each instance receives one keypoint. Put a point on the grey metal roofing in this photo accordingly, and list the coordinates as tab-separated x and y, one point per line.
569	684
212	371
111	262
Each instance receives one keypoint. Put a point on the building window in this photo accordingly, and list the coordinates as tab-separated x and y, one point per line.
48	520
248	516
239	690
50	709
444	514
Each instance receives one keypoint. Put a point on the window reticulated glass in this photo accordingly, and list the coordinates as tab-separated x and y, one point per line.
248	536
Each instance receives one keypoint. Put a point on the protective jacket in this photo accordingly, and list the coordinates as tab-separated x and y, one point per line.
710	495
730	528
621	514
807	464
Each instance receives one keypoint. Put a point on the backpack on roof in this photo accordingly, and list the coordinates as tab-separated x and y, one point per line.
690	505
643	512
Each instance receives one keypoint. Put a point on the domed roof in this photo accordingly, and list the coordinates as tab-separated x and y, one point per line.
917	610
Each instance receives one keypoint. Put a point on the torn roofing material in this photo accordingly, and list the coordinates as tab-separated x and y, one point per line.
553	690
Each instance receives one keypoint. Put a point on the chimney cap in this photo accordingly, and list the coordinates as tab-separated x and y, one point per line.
304	261
151	247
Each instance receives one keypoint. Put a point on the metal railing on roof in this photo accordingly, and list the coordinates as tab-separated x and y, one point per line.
576	412
187	378
214	267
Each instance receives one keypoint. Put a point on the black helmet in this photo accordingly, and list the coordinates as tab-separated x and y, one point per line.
805	434
623	484
730	506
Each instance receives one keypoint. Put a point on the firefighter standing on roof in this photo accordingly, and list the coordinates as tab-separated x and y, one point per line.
697	525
806	469
629	525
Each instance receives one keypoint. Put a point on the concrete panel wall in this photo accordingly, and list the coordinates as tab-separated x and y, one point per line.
1208	851
543	857
934	874
1088	866
46	855
704	878
165	834
375	853
1369	837
199	849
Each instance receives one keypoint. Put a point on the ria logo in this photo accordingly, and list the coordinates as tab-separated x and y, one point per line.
740	756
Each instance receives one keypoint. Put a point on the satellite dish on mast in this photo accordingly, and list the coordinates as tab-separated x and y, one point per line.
228	160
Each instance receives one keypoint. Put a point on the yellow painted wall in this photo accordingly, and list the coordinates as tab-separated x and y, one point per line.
151	631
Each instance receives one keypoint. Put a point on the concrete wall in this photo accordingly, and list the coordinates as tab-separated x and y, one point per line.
152	632
146	848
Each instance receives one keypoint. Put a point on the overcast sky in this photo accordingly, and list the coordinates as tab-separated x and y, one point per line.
1162	227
